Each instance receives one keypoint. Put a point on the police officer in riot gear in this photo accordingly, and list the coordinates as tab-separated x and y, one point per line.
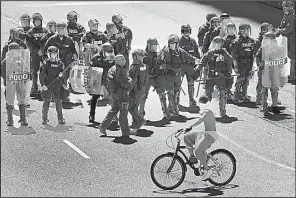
190	46
173	60
156	77
119	85
75	30
228	44
67	51
243	58
263	29
105	60
220	30
139	75
33	39
13	43
214	23
204	28
111	31
93	39
268	40
51	28
219	63
124	37
52	80
287	28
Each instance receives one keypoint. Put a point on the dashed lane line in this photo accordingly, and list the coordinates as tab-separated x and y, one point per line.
80	152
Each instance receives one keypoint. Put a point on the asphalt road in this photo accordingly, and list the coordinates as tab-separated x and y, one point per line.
73	160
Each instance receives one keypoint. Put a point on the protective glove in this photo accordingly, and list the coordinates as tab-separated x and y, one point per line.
65	87
40	53
44	88
60	74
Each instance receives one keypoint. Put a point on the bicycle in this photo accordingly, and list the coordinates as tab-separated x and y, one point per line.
175	160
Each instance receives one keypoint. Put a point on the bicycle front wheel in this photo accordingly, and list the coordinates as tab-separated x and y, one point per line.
164	178
223	165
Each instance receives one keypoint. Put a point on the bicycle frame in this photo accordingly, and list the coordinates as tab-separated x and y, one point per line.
179	150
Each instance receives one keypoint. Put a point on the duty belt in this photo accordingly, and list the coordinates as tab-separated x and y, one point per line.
246	60
189	63
215	72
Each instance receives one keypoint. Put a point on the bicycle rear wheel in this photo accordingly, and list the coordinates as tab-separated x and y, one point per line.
223	165
160	175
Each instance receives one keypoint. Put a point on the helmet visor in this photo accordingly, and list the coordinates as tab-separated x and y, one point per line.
53	56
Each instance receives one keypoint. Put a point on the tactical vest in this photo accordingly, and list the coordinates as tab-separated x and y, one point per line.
217	62
246	48
174	58
142	77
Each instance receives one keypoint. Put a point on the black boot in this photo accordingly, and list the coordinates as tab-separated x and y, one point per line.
275	110
23	120
59	110
9	109
91	118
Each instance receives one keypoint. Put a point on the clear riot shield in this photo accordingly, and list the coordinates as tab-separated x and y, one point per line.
76	78
275	59
285	68
17	76
92	80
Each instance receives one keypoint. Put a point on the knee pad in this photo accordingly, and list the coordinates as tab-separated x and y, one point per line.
124	106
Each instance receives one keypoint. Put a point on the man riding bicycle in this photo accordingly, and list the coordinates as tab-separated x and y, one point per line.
199	142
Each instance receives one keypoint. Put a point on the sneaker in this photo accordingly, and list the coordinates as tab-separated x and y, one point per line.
193	159
62	121
91	118
102	130
279	102
9	122
44	122
206	175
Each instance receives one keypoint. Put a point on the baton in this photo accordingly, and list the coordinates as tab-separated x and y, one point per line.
217	78
199	84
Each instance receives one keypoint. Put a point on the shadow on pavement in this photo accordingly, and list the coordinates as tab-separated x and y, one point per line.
250	105
160	123
209	191
192	109
144	133
181	118
278	117
124	140
23	130
253	10
227	119
59	128
70	105
92	125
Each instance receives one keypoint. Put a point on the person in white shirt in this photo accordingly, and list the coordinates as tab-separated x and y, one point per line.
198	142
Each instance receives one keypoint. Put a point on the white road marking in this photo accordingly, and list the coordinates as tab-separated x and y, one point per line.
76	149
254	154
84	3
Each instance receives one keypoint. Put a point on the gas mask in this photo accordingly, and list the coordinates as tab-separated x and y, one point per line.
94	28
